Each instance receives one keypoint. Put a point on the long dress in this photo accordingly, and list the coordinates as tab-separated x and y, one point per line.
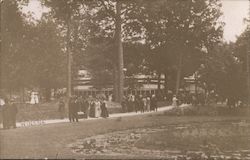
97	109
32	100
153	104
104	110
174	102
2	102
36	99
144	107
92	109
61	109
148	104
86	109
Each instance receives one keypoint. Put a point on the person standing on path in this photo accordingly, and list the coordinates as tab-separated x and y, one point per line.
141	103
1	109
5	113
124	104
148	104
153	103
137	103
86	108
92	109
13	112
61	108
75	109
97	108
104	110
133	102
175	101
144	104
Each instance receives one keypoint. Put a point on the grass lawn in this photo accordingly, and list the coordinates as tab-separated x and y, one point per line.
53	140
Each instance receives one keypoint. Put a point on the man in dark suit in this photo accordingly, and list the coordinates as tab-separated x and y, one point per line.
5	114
104	110
71	108
153	103
74	109
61	108
13	112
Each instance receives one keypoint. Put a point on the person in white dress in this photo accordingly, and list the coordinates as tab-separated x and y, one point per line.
32	100
36	98
174	101
110	98
97	108
2	102
133	102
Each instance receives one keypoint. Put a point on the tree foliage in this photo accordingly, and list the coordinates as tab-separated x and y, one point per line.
241	47
32	55
169	30
223	72
14	62
49	60
180	28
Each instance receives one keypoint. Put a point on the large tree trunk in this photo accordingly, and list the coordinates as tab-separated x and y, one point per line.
159	82
248	75
119	52
69	84
115	77
178	77
165	82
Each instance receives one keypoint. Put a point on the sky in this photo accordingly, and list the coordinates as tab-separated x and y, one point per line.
234	12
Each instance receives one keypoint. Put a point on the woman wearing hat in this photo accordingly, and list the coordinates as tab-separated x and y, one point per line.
174	101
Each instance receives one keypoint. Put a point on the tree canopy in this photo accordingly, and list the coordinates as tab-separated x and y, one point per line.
32	54
111	37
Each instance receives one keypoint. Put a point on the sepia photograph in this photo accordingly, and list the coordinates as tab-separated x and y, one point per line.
125	79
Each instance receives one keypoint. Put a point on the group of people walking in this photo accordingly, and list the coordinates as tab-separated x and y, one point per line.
140	103
80	107
9	112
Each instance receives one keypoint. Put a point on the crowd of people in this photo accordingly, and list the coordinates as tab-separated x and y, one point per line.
183	97
94	107
9	111
85	107
81	107
146	103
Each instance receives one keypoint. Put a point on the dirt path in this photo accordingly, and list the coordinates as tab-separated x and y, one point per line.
51	140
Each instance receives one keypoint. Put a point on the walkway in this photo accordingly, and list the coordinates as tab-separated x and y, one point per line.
115	115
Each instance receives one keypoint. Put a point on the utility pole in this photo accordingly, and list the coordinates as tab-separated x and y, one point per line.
248	75
248	60
119	50
178	78
69	77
